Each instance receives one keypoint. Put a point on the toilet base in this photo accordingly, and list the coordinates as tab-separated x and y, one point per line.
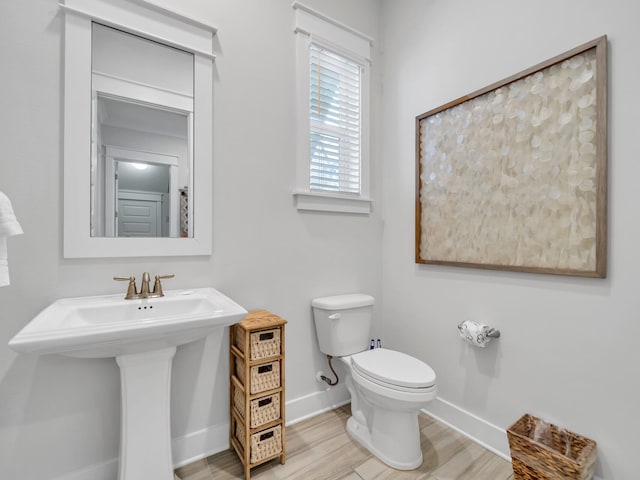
361	434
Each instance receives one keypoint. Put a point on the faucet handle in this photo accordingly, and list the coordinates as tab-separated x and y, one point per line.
123	278
131	289
157	286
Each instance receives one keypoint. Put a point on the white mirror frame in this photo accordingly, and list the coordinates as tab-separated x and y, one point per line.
164	26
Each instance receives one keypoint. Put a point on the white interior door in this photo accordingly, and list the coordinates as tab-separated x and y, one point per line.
139	216
113	193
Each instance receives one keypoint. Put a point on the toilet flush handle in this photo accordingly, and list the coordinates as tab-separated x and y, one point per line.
334	316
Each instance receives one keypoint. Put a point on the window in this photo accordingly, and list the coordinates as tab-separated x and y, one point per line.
334	116
333	107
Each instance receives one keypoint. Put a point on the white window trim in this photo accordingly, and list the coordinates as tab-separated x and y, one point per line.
312	26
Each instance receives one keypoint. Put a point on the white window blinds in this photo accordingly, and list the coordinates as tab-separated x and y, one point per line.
335	121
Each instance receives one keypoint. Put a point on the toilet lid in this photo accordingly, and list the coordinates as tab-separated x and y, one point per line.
394	368
343	302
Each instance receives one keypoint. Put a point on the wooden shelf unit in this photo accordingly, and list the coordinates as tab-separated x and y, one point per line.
257	389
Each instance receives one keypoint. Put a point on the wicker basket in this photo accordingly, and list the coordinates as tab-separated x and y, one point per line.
239	370
263	344
265	376
264	444
560	455
262	410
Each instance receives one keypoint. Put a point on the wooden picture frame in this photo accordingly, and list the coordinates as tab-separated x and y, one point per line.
514	176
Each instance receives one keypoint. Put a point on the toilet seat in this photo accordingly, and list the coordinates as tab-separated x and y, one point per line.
395	370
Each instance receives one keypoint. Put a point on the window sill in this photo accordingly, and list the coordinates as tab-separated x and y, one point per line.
323	202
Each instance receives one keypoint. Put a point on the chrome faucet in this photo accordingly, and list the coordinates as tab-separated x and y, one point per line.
132	291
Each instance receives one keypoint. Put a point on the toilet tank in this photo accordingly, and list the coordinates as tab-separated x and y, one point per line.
343	323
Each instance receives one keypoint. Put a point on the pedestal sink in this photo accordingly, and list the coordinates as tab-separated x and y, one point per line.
142	335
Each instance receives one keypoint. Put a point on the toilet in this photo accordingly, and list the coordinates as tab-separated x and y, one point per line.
387	388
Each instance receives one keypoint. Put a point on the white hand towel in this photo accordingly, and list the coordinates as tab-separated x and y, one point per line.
8	226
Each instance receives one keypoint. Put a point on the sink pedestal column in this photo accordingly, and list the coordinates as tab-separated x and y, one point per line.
145	427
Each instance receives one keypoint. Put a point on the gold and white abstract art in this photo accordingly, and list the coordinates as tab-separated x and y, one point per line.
510	178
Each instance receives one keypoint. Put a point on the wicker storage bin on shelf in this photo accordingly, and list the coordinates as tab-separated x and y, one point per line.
558	455
263	410
263	344
263	377
264	444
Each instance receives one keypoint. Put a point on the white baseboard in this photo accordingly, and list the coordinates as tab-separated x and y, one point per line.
215	438
99	471
201	444
315	403
486	434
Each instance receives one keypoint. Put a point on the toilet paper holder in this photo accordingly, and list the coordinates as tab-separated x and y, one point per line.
477	334
493	333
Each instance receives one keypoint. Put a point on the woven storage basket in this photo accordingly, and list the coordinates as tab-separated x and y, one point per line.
238	338
559	455
264	444
262	410
239	368
262	344
264	377
265	344
239	433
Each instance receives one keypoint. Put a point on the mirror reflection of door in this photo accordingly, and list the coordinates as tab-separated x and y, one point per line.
142	114
141	194
139	215
142	205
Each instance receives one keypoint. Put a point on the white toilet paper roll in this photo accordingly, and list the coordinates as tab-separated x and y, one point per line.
475	333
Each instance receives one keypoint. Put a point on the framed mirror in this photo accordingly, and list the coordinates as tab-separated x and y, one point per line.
137	131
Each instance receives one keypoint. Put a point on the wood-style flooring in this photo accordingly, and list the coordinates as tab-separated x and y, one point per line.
321	449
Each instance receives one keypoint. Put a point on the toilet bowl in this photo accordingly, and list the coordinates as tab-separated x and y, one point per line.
388	388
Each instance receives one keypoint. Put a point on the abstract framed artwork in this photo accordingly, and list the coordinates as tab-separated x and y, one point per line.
514	176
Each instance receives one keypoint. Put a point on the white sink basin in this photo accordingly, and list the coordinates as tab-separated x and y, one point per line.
142	335
109	326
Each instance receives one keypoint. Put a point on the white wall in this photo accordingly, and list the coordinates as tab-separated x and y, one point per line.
568	351
59	416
